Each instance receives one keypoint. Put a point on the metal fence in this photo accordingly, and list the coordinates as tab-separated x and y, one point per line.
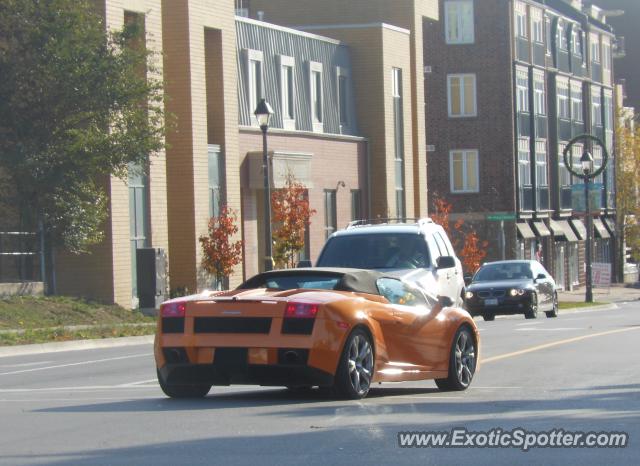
21	256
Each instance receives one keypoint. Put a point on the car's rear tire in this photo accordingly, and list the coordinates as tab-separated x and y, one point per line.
489	316
462	362
554	311
532	312
183	391
356	367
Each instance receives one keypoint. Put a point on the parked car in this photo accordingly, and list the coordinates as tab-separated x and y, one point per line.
337	328
418	252
512	287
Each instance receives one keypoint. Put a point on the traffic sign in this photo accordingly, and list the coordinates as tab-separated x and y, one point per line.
501	216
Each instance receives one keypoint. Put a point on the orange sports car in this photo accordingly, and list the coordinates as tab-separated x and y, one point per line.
343	329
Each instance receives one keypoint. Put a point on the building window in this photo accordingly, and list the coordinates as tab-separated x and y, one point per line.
539	94
564	174
562	91
463	165
461	90
524	167
522	88
356	204
561	36
287	91
215	181
576	41
315	85
255	80
608	110
398	120
576	154
596	107
521	19
343	97
537	30
595	48
547	25
542	178
576	101
606	54
330	208
458	19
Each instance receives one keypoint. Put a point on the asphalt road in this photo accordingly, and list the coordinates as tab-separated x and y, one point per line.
579	372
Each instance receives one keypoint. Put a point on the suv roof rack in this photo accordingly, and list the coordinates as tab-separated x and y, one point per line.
388	221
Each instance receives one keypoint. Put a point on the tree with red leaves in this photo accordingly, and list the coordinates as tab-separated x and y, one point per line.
291	214
463	237
219	253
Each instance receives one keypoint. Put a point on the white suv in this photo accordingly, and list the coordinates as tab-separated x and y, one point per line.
417	252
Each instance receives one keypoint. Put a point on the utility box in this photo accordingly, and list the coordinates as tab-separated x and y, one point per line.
151	267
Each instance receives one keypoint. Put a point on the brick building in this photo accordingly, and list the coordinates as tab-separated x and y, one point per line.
509	84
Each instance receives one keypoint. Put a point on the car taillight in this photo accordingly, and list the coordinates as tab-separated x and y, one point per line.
174	309
302	310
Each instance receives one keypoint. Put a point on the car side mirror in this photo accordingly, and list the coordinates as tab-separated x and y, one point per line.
468	278
541	276
304	263
445	262
445	301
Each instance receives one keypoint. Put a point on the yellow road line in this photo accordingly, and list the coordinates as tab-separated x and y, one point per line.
556	343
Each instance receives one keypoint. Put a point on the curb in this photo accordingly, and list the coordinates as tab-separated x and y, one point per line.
75	345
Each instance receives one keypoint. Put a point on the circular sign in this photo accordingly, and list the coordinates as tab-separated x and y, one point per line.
567	150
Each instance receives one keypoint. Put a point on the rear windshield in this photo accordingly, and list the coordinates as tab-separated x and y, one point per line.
379	251
294	281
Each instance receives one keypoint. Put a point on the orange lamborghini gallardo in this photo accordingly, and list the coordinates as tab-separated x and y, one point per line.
343	329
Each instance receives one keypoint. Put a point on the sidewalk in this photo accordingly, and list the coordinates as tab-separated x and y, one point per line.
616	294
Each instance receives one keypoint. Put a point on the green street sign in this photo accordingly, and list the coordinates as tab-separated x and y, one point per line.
500	217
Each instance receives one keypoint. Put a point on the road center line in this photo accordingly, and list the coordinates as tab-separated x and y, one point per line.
82	363
557	343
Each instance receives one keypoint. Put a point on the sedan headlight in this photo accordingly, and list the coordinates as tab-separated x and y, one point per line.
516	292
469	294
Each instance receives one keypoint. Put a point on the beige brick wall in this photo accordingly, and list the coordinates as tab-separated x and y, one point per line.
105	273
186	46
334	159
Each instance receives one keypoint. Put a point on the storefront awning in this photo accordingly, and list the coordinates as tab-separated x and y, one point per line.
541	229
524	231
562	230
579	228
610	223
600	229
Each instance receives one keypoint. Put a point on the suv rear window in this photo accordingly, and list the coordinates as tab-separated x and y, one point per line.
379	251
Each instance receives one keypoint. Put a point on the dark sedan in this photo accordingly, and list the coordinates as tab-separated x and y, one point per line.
512	287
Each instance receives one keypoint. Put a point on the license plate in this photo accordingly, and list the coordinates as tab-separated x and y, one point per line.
491	302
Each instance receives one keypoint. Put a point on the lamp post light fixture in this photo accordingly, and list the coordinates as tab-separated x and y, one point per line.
263	114
588	172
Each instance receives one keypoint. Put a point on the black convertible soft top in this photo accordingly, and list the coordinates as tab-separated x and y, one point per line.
356	280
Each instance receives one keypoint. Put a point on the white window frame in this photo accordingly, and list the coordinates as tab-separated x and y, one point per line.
466	154
576	90
564	175
596	107
286	62
576	41
342	72
465	31
252	91
542	165
607	104
318	125
525	162
563	100
522	90
537	25
594	41
561	36
462	87
539	93
520	22
606	54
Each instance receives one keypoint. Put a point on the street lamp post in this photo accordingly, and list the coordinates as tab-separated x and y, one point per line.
263	114
587	173
587	168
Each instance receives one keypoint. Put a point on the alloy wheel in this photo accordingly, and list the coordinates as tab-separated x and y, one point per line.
360	364
465	355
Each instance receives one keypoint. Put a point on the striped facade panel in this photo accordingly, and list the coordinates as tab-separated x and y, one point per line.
274	42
